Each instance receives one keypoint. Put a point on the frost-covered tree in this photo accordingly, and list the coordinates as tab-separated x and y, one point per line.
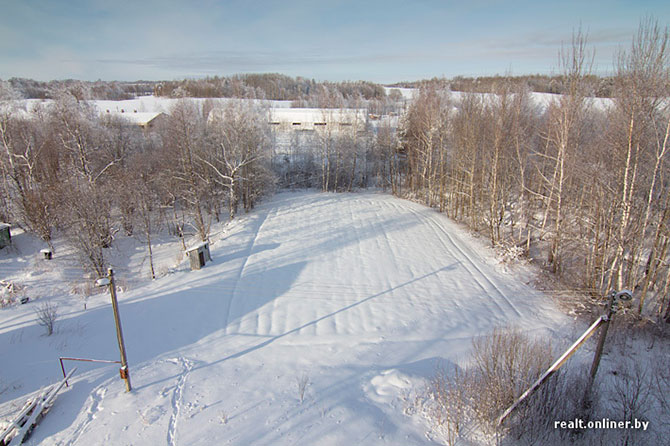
237	153
183	136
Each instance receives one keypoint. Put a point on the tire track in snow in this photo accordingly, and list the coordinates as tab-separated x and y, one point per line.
438	230
177	397
240	273
395	255
94	406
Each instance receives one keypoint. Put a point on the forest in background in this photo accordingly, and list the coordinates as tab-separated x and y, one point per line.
303	91
582	189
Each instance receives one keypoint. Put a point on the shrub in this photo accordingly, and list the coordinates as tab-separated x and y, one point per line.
47	313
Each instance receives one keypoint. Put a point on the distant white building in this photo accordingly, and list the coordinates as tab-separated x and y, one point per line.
298	131
307	119
144	120
315	119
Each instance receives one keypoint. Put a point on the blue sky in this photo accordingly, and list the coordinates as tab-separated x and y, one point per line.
381	41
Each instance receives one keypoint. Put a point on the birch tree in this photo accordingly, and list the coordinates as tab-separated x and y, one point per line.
236	151
562	141
184	135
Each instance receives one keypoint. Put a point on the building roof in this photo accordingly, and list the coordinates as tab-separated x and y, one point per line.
304	115
137	118
317	115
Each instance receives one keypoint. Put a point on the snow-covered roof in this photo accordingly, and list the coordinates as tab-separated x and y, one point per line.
198	246
5	226
311	115
137	118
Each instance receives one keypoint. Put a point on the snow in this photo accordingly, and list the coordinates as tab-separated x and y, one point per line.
150	104
407	93
360	295
197	246
137	118
542	100
312	115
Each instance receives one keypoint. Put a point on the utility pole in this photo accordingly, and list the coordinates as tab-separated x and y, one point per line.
601	341
124	372
614	299
605	319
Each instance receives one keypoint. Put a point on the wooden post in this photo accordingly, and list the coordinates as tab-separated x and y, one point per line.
614	297
601	340
553	369
125	373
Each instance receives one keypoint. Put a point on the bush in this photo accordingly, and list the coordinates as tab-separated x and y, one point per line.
449	395
503	365
47	314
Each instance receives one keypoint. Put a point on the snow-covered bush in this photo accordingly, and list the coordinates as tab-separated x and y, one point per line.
510	253
446	405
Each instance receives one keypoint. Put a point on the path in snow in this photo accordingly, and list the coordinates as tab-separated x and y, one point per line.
364	294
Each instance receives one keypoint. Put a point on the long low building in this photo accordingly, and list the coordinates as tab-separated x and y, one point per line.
317	119
307	119
144	120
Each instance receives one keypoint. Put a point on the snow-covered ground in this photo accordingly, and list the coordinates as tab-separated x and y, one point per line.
356	296
542	100
150	104
154	104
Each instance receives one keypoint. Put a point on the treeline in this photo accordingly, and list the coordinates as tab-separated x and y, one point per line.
274	86
597	86
304	92
109	90
585	189
67	170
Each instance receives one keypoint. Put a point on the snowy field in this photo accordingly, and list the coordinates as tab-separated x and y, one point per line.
358	296
154	104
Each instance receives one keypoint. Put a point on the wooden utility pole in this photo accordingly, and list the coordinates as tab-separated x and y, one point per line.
125	373
614	299
553	369
601	341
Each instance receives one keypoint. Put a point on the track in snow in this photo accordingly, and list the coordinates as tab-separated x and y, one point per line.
94	407
346	289
360	264
176	401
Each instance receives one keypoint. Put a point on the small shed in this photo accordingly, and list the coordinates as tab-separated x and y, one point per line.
5	235
199	255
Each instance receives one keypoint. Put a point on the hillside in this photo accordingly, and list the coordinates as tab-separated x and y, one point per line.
358	296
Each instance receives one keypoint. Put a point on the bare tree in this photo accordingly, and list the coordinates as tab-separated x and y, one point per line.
424	135
183	135
47	314
86	213
639	139
236	152
82	138
27	182
562	139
